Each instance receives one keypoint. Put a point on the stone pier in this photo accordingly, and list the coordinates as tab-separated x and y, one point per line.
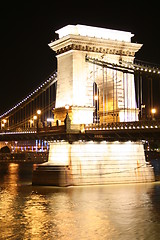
83	163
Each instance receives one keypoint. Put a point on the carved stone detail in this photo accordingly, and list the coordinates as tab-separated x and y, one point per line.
94	49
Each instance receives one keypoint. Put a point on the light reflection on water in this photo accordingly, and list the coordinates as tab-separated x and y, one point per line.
96	212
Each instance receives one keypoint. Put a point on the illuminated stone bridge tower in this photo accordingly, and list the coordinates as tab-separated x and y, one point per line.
76	76
81	160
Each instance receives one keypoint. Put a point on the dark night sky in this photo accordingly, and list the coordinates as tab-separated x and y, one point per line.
27	28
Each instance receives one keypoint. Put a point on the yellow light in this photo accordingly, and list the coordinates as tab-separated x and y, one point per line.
4	120
96	97
31	121
38	111
2	125
35	117
153	110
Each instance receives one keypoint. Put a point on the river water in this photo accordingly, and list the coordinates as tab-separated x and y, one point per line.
95	212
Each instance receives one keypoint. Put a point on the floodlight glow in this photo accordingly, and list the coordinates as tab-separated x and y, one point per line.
97	32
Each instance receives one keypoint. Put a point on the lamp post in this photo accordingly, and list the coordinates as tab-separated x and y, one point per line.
38	120
35	117
31	123
142	111
34	121
67	119
153	111
3	124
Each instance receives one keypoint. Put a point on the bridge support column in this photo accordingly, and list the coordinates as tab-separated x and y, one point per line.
87	163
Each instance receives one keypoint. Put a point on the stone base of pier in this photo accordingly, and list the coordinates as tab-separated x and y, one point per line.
88	163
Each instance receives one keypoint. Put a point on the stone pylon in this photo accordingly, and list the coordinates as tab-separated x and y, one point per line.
76	76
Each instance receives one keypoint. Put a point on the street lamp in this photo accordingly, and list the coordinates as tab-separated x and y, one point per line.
153	111
38	120
67	119
143	106
34	120
39	112
31	123
4	121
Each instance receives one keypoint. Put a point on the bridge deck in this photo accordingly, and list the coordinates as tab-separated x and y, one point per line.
118	131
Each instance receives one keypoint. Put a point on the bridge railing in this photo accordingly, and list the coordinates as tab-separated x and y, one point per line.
124	125
36	157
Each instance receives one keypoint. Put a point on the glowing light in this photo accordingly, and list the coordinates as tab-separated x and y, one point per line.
38	111
153	110
97	32
58	153
96	97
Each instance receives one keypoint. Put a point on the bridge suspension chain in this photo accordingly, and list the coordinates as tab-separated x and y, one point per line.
25	121
125	66
52	79
24	114
123	99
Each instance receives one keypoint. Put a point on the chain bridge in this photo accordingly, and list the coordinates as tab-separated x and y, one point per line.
93	115
33	117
